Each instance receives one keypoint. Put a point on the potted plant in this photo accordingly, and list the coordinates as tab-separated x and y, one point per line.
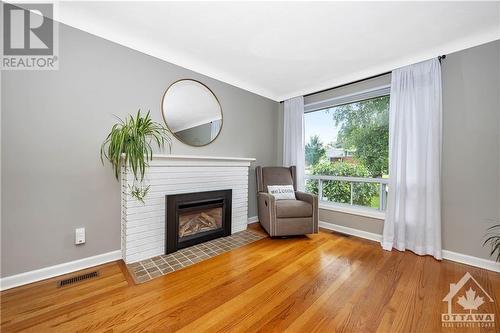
494	240
130	144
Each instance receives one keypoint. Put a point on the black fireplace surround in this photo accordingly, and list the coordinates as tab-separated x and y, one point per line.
190	204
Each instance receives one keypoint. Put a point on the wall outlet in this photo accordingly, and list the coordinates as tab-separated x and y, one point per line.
79	236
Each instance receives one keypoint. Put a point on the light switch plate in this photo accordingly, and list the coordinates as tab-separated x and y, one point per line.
79	236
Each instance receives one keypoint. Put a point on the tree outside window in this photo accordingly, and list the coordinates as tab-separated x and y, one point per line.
349	140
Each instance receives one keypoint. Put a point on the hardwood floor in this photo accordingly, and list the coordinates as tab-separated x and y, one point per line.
320	283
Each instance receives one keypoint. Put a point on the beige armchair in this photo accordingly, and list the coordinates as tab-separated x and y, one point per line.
285	217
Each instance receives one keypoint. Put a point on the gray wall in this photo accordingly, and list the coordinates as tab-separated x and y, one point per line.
352	221
471	112
471	152
53	123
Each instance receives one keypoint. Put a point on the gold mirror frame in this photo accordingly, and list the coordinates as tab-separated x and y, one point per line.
165	120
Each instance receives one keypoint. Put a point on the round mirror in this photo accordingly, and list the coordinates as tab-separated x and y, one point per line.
192	112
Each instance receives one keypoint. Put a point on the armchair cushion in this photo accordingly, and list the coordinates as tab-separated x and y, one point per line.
293	208
281	192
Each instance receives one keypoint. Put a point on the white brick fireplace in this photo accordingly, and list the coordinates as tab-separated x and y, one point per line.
143	225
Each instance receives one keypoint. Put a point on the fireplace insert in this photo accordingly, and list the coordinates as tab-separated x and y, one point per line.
192	218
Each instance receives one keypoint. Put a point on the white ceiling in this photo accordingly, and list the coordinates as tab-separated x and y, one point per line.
281	50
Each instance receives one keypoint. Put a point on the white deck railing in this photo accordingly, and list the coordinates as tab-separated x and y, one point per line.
383	186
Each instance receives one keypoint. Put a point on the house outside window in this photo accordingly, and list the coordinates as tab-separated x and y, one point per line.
346	151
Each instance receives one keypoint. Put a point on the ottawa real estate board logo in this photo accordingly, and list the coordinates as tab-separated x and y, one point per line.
465	299
30	37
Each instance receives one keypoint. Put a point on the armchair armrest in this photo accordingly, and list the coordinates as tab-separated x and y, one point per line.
307	197
268	199
267	211
313	200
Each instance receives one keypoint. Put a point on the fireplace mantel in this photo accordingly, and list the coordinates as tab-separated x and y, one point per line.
143	225
201	158
187	160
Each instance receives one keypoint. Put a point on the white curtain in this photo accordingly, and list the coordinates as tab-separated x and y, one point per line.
293	137
413	217
215	128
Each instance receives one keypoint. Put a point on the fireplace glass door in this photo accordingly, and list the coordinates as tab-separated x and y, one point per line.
198	221
193	218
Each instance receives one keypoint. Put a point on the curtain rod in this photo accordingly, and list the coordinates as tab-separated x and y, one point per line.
441	57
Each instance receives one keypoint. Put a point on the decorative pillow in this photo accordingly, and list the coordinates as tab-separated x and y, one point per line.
281	192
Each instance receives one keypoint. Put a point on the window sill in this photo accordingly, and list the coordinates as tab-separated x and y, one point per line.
352	210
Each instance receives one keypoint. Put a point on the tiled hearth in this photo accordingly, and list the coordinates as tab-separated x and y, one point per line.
148	269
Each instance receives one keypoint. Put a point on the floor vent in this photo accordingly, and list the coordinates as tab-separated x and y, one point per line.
77	278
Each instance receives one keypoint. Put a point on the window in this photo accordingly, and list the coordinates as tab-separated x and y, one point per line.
346	152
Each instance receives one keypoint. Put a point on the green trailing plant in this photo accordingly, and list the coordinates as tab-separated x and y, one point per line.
494	241
139	192
130	144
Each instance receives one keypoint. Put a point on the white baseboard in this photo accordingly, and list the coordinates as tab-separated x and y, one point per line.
449	255
472	261
253	219
51	271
